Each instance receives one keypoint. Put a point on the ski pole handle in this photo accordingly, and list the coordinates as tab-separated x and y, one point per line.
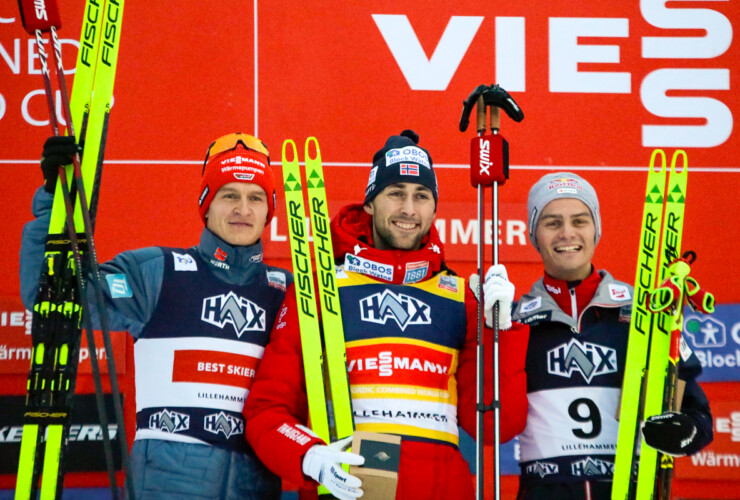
39	15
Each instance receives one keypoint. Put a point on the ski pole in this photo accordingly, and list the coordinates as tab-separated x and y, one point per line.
87	213
38	17
489	166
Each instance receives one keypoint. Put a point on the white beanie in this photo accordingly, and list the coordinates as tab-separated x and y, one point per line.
561	185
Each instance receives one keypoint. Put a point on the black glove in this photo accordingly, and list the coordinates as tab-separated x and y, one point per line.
672	433
58	151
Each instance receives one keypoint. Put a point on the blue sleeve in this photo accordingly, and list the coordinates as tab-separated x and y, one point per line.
695	402
130	283
32	246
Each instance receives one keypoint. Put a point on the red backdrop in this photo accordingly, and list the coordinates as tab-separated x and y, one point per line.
601	85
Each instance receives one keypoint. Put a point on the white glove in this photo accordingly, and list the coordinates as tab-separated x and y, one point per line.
324	464
498	288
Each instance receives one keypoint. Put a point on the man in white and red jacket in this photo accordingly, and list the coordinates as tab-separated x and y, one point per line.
410	327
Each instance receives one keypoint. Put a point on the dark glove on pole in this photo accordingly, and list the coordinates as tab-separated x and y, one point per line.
672	433
58	151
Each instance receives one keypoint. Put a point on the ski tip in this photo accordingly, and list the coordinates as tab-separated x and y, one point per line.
679	153
663	163
289	145
309	155
39	15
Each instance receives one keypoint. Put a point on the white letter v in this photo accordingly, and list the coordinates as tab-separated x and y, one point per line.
422	73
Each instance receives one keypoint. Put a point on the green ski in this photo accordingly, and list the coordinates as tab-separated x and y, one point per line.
660	341
60	304
340	409
324	354
649	334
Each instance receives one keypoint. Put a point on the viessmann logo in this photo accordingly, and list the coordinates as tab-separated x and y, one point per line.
244	315
386	362
403	309
585	358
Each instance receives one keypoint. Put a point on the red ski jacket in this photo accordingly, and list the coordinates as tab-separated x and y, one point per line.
426	359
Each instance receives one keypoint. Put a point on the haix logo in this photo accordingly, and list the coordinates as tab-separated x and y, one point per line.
242	314
592	467
40	6
555	290
243	177
542	469
585	358
226	424
484	157
169	421
403	309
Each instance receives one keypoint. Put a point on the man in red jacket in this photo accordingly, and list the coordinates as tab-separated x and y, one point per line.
410	328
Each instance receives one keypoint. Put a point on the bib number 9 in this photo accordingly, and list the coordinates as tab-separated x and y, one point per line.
585	411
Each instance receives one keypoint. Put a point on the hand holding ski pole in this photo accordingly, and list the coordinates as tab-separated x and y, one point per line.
324	464
672	433
497	289
59	150
489	166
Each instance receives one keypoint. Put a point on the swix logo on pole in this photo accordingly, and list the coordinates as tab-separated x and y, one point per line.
244	315
484	156
585	358
403	309
169	421
40	7
221	422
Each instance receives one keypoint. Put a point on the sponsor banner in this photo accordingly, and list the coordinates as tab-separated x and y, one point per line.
184	372
85	452
210	367
404	364
16	346
715	339
721	459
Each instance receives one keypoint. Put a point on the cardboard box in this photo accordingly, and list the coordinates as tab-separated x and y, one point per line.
379	474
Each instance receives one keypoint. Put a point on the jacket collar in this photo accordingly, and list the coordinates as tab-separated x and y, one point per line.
538	304
353	246
234	264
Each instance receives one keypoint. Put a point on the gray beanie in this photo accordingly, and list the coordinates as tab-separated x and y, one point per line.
560	185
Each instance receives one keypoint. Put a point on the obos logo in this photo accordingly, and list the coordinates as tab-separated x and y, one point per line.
403	309
585	358
364	266
169	421
221	422
592	467
410	153
244	315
